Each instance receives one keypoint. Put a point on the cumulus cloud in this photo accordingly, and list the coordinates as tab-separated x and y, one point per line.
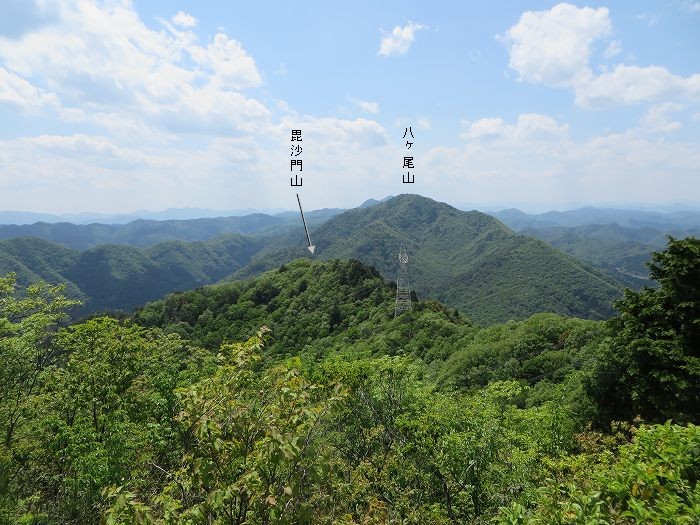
231	66
399	41
528	126
131	96
183	19
365	106
634	84
555	47
536	151
104	59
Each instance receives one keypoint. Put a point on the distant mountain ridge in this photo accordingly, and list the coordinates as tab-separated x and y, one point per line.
467	260
27	217
170	214
144	233
519	220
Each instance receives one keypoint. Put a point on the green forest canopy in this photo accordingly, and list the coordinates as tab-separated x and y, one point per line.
341	414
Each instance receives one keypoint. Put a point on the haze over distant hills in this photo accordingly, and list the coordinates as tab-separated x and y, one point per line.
145	233
619	241
27	217
519	220
468	260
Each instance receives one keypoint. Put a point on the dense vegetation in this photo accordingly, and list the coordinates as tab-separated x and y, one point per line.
111	277
467	260
343	414
619	242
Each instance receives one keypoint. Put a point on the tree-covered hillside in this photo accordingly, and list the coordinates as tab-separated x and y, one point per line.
467	260
112	277
144	233
617	250
344	414
141	233
320	307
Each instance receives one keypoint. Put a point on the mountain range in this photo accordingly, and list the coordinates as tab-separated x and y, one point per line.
28	217
144	233
466	259
676	220
617	241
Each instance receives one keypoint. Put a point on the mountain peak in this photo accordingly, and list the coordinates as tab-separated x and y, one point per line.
466	259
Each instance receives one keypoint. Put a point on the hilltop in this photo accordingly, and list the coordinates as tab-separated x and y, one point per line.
468	260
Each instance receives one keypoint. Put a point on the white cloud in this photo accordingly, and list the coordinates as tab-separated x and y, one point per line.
528	126
555	47
424	123
536	160
102	59
230	65
613	49
183	19
365	106
147	90
17	91
657	119
634	84
400	39
485	127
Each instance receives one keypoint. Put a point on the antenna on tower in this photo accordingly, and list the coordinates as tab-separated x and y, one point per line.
403	288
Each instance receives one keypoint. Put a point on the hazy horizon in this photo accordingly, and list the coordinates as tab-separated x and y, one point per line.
197	212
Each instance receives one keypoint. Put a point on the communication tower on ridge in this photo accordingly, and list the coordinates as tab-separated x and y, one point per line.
403	289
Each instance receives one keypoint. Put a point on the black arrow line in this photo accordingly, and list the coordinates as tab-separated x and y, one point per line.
311	247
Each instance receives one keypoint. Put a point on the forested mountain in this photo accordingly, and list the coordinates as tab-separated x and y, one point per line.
144	233
671	221
141	233
332	410
619	250
118	277
346	306
468	260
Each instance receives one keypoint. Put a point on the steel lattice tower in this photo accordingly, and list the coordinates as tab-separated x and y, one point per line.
403	288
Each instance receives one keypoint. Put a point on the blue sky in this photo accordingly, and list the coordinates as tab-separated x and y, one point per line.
115	106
